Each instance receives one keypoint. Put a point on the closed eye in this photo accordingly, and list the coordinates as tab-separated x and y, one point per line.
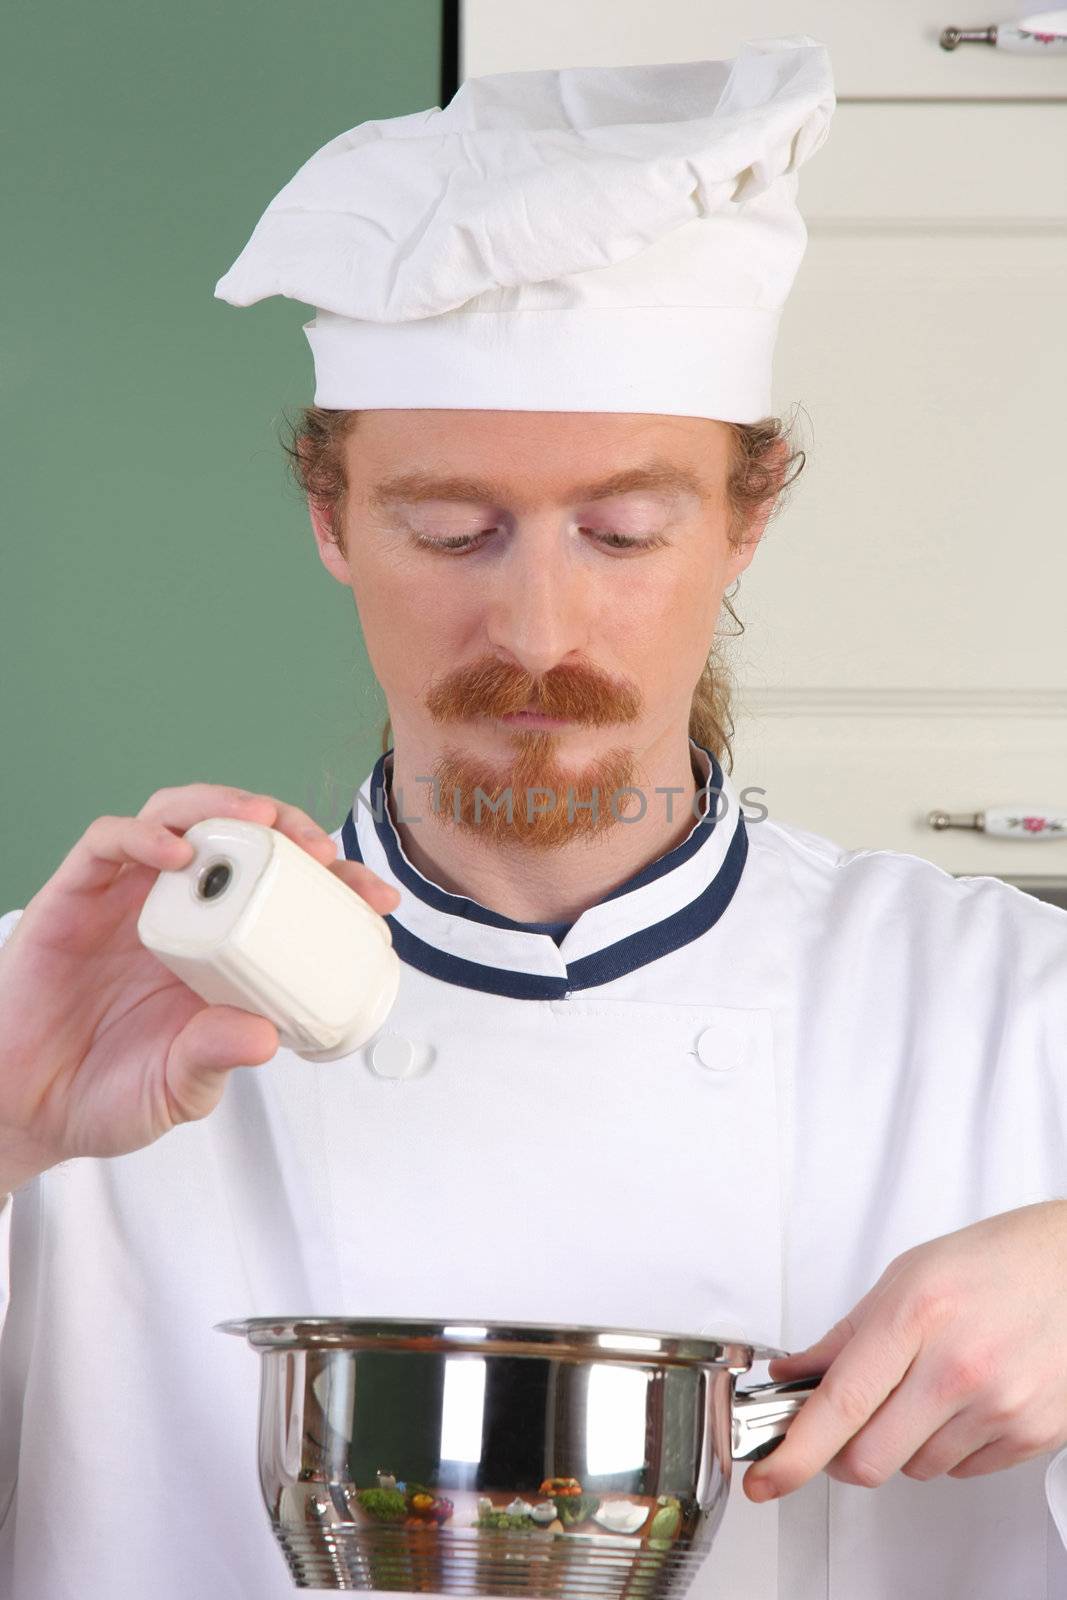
461	544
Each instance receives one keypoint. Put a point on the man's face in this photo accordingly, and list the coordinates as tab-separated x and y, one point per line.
495	566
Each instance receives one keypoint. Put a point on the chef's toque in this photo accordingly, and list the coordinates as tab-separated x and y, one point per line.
587	239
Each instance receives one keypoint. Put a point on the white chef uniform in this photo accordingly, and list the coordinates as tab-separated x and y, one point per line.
723	1099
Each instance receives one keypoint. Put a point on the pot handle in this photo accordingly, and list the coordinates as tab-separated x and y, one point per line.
762	1414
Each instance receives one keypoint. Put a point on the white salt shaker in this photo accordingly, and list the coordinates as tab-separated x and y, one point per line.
253	921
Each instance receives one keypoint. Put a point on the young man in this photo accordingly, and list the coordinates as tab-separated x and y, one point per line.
713	1073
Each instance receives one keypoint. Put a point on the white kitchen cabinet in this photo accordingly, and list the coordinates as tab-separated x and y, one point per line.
905	644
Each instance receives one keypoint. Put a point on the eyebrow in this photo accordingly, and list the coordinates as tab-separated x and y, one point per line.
662	477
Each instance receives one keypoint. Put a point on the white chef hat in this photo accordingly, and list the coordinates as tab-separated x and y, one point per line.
588	239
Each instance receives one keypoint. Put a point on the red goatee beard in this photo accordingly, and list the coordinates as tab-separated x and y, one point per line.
533	800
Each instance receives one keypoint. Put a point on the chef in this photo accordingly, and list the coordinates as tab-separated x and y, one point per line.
659	1058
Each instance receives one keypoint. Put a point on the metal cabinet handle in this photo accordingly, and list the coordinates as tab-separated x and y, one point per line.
1007	822
1042	34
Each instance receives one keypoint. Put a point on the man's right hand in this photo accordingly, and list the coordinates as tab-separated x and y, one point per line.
102	1048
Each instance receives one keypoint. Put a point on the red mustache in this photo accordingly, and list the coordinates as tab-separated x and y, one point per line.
495	688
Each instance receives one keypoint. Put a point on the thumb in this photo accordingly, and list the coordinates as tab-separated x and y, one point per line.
816	1357
212	1043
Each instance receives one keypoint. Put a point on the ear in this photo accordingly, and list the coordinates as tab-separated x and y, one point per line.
741	558
330	553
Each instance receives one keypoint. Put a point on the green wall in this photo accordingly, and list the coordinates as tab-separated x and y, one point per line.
164	618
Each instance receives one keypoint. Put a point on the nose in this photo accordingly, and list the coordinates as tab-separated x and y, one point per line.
538	603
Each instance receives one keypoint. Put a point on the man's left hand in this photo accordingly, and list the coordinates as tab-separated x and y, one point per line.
955	1362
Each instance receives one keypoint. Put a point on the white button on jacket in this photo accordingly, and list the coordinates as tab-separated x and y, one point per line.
392	1057
780	1062
729	1044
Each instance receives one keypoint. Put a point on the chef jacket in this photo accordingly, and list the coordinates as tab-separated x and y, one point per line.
721	1101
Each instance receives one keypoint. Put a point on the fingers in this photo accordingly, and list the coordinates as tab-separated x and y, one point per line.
212	1043
181	808
867	1370
904	1429
154	839
994	1457
110	843
945	1447
817	1357
949	1368
940	1415
981	1439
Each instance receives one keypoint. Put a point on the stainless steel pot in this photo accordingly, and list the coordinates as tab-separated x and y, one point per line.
437	1458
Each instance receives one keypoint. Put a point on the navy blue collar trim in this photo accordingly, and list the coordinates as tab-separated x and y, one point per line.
456	905
636	950
625	956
